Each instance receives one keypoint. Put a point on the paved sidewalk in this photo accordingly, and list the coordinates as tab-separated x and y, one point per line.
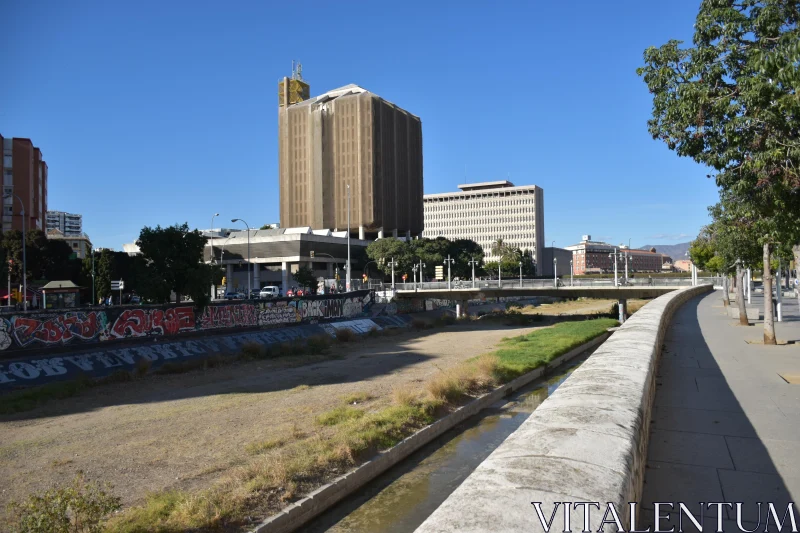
726	426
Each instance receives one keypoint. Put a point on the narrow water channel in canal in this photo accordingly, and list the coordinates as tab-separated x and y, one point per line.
402	498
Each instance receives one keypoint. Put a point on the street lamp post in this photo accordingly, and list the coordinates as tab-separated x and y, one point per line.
473	262
249	266
414	270
94	297
421	270
570	272
627	255
211	258
520	274
24	248
555	271
347	279
392	263
448	262
614	256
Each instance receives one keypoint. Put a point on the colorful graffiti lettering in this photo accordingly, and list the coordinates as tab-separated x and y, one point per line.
58	329
229	316
144	322
35	330
410	305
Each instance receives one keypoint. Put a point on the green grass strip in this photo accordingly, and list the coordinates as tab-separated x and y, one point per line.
519	355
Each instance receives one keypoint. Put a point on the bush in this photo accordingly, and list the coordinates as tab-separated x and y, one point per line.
318	344
345	335
143	367
511	305
253	350
81	507
418	324
446	320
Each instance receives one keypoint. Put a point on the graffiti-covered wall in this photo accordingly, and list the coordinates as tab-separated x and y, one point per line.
72	327
26	370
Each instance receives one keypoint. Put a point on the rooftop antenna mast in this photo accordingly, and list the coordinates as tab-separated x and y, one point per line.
297	70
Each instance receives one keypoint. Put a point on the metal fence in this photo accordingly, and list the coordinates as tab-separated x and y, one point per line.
549	283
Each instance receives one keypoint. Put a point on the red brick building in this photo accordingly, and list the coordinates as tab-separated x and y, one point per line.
24	175
593	257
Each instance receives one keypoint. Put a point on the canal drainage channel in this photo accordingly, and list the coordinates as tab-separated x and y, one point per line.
400	499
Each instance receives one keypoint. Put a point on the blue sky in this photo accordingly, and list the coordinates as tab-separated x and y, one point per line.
161	112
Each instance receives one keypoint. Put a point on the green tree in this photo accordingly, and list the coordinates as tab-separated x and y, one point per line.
305	277
104	269
383	251
173	262
701	250
730	102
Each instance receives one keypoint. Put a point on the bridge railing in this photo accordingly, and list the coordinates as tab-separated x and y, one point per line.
550	283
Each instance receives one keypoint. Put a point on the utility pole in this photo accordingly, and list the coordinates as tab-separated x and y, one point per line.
473	263
347	279
414	270
520	274
421	270
570	272
448	262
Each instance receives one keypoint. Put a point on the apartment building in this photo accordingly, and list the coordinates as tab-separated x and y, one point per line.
24	174
69	224
486	212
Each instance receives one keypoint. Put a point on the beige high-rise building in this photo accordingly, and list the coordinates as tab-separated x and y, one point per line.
348	136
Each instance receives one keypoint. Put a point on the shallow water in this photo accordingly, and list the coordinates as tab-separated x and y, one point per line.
402	498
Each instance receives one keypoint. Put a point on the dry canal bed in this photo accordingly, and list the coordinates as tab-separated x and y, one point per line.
183	432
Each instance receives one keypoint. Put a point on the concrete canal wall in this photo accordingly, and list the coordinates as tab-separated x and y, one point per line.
586	443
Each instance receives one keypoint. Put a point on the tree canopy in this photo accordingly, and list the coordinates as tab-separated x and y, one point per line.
730	102
431	252
173	259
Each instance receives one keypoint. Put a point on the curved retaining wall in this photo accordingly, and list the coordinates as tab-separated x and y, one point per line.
585	443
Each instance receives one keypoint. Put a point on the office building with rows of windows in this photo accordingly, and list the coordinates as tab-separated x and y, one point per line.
486	212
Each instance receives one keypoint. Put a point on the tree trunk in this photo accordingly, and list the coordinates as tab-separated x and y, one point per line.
796	252
769	320
726	297
740	296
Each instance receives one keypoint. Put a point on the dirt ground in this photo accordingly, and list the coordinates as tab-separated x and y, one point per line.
184	431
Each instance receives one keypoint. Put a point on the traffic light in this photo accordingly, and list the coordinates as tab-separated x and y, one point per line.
224	279
365	278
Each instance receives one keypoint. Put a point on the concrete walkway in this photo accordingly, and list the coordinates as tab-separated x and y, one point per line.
725	426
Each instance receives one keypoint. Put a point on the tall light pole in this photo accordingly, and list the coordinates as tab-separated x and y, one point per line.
614	256
448	262
626	266
570	272
94	297
393	264
249	266
347	278
520	274
421	270
473	262
414	270
555	271
24	248
211	259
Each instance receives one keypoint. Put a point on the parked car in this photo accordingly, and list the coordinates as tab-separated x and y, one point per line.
255	294
269	291
234	295
136	300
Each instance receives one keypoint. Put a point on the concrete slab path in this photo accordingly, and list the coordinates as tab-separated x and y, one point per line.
725	425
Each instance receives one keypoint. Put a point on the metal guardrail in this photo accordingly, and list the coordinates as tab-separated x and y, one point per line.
549	283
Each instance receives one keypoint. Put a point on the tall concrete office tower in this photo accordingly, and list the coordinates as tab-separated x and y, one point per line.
348	136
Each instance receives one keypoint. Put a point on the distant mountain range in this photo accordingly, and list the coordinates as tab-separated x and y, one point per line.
675	251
